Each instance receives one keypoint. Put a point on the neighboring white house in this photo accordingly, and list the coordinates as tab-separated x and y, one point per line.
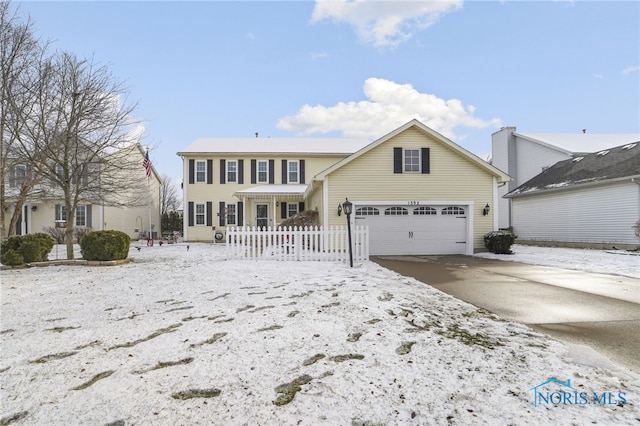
44	206
589	200
524	155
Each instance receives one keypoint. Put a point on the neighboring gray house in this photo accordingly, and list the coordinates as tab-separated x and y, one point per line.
524	155
590	200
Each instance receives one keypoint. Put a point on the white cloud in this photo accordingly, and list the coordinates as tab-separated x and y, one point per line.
384	23
318	55
389	106
630	69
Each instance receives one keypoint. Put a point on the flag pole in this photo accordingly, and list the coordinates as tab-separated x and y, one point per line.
147	165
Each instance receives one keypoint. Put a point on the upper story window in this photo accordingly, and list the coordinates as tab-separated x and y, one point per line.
412	161
19	175
263	171
201	171
294	168
232	171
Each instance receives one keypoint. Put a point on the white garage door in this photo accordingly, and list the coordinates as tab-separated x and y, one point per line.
401	230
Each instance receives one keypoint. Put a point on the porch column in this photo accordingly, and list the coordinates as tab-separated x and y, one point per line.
244	211
275	210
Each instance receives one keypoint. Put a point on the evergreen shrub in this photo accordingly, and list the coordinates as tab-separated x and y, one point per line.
19	249
499	242
105	245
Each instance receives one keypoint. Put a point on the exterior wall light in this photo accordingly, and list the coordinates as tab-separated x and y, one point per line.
486	210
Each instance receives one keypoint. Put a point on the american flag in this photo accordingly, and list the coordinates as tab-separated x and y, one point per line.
147	164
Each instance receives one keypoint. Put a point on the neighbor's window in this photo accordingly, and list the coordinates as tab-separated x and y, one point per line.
293	171
200	213
231	214
263	171
201	171
81	216
61	212
411	160
232	171
20	174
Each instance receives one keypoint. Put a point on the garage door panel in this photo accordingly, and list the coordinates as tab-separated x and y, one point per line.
416	234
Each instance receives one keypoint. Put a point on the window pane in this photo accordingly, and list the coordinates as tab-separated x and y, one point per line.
411	160
263	171
293	171
292	209
231	214
200	209
81	216
232	168
201	174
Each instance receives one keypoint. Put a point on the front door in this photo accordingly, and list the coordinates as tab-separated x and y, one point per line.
262	215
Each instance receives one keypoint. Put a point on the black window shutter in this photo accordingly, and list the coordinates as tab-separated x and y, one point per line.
301	206
240	213
301	180
283	210
272	171
397	160
89	216
221	213
253	171
209	213
240	172
284	171
425	161
223	171
191	171
191	212
209	172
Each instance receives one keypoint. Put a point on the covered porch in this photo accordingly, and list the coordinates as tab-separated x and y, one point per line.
267	205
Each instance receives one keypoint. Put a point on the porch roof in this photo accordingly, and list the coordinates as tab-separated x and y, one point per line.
271	192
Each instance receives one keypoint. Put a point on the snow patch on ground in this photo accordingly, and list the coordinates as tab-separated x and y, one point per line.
612	262
185	337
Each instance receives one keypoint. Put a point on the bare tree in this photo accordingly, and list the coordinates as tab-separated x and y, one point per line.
20	54
77	138
169	200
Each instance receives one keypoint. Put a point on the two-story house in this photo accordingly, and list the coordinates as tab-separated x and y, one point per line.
417	191
133	208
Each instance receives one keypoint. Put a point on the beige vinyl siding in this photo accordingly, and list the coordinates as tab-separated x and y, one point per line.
216	192
452	177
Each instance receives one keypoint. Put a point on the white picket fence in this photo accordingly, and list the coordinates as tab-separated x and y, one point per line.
301	244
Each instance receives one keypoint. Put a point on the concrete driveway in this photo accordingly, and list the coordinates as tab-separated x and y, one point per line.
601	311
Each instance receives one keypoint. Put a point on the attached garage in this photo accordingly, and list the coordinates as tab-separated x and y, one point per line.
415	229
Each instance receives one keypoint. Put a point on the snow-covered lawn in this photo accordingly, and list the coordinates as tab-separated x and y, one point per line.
615	262
186	337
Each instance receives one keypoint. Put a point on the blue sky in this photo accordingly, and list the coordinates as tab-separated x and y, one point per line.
338	68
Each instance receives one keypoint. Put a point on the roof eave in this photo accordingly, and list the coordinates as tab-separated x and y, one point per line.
633	178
